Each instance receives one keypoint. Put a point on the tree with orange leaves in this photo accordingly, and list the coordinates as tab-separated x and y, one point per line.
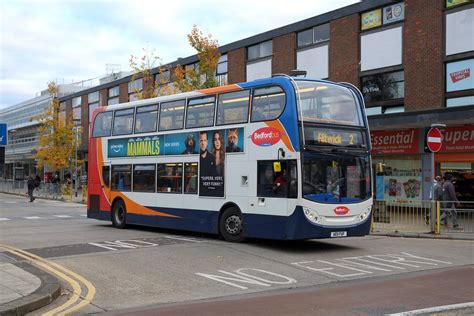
57	139
204	74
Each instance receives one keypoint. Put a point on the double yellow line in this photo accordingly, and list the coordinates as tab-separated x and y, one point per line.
73	279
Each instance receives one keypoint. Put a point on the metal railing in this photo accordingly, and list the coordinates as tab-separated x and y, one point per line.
54	191
418	218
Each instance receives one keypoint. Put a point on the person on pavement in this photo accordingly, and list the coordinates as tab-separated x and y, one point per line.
450	202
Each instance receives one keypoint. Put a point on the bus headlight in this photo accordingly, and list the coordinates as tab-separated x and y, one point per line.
311	215
366	214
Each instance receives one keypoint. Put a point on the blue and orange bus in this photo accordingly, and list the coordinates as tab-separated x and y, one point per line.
277	158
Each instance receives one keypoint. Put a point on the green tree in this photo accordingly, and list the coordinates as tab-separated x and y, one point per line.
57	139
204	74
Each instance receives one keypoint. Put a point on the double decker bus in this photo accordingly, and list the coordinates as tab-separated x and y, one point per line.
277	158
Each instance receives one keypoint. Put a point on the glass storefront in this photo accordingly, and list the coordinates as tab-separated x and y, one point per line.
398	179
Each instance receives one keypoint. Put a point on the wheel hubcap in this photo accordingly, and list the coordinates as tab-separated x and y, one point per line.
120	214
233	225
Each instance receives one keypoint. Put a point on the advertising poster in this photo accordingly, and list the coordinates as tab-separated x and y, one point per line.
402	190
181	144
371	19
211	163
459	75
393	13
453	3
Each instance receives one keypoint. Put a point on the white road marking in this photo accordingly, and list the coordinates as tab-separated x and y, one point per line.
62	216
32	217
185	239
434	309
11	202
4	219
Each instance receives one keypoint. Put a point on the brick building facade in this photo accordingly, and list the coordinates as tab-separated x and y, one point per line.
400	54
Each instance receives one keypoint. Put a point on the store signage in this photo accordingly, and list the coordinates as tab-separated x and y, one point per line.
393	13
458	139
434	140
459	75
371	19
3	134
395	142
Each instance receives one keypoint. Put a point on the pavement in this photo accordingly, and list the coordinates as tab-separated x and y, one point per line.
25	288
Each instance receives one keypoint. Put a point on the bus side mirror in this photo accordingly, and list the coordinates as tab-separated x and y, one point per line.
281	152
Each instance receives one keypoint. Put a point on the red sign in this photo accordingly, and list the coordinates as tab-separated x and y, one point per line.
434	140
395	142
458	139
266	136
460	75
341	210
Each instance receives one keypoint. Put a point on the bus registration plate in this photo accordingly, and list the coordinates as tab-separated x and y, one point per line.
339	234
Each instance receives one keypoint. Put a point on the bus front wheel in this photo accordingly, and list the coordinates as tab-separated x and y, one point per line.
231	225
119	214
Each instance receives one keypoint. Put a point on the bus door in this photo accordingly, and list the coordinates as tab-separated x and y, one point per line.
276	185
105	181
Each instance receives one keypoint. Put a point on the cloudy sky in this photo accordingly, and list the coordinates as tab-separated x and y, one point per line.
73	40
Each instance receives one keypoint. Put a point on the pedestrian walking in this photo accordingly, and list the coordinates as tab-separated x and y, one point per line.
436	194
450	201
31	188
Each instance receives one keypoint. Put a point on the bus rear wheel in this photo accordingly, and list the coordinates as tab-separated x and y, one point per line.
231	225
119	214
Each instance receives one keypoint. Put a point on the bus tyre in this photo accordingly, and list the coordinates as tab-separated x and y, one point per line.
231	225
119	214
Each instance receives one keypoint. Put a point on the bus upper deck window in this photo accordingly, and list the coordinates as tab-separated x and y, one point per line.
102	124
267	103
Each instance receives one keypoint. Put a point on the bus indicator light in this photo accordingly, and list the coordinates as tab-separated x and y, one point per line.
341	210
266	136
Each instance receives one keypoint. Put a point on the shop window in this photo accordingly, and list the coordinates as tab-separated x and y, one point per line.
144	178
462	101
398	180
146	118
459	75
383	87
123	122
191	177
277	179
170	178
267	103
233	107
122	178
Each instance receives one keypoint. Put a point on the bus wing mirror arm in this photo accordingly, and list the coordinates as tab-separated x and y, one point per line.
281	152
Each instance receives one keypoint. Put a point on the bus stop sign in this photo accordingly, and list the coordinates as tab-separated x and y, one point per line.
433	140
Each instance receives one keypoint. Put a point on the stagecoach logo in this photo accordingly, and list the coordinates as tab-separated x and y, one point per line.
116	147
341	210
266	136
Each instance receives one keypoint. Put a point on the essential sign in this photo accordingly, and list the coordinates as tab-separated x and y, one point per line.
3	134
433	140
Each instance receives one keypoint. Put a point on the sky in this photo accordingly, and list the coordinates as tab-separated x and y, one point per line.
73	40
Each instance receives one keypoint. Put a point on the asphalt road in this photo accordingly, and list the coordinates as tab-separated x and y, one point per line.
145	269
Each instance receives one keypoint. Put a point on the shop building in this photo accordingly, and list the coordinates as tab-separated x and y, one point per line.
413	61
